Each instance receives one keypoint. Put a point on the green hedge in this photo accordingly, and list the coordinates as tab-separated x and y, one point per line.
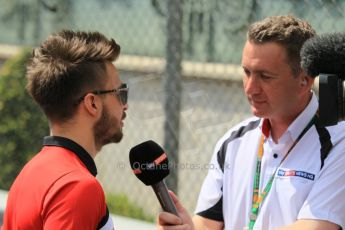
22	124
120	205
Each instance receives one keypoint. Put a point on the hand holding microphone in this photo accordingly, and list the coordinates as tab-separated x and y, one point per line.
150	164
166	220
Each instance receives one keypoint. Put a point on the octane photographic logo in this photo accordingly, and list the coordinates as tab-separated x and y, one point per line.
180	166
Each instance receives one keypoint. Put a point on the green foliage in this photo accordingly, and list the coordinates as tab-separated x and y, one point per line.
22	124
120	205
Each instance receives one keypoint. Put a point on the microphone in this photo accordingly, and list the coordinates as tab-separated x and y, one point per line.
324	56
150	164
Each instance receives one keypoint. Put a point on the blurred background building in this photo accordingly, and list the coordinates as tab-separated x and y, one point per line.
181	60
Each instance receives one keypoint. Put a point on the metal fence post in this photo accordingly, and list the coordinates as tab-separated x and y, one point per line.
172	88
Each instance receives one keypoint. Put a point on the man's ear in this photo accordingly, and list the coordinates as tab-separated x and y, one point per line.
306	80
309	81
91	104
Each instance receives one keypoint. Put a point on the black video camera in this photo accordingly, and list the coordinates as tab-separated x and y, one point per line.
324	56
331	99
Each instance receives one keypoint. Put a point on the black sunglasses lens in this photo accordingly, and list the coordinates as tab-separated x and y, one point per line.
124	96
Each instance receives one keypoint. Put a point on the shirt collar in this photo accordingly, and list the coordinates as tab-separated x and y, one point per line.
82	154
266	127
297	126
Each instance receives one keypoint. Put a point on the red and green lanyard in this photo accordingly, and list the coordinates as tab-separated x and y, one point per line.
259	198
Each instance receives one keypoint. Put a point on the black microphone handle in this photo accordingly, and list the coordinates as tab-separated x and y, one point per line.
164	198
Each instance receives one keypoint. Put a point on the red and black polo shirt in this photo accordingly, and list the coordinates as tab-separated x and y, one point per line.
57	189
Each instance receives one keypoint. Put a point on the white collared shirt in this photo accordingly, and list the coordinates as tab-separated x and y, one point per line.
300	190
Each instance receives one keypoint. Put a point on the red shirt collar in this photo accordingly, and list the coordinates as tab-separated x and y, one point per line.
266	127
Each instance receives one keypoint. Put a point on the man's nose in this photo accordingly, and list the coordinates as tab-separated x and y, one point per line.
251	85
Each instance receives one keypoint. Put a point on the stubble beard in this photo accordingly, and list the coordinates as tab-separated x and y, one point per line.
107	130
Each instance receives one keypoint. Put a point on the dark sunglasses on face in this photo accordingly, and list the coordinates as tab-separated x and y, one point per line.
121	93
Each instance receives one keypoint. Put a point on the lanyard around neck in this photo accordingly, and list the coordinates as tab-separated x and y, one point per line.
259	198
